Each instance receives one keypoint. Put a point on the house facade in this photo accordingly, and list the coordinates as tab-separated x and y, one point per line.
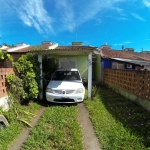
126	59
74	56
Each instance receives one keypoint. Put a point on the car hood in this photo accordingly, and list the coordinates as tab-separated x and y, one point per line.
65	85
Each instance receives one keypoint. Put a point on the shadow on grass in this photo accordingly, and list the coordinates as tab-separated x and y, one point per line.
131	115
45	103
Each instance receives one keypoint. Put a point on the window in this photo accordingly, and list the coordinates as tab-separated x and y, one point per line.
66	75
67	63
129	66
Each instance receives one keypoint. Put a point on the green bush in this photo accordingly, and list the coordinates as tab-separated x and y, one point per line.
4	56
26	81
49	66
15	88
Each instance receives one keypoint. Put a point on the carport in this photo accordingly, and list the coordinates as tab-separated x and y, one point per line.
55	50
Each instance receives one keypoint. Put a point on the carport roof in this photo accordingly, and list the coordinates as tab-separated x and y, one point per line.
54	49
65	50
75	48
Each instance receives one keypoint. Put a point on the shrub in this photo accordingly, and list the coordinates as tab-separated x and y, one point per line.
15	88
49	65
4	56
27	72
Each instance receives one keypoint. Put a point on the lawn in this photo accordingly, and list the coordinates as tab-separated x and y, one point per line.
119	123
16	116
57	129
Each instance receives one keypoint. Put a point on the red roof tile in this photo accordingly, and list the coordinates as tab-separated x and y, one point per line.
124	54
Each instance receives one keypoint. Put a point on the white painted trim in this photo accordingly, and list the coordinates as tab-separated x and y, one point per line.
41	79
90	75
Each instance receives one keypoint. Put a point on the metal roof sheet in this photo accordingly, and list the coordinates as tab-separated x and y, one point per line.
137	62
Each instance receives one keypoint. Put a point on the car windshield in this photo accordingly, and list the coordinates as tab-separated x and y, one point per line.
66	75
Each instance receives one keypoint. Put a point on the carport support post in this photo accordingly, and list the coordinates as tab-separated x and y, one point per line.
41	79
89	75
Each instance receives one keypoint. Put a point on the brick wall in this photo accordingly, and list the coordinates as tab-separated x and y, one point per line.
3	73
136	82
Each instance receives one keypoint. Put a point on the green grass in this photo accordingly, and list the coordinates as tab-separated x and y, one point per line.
119	123
9	134
57	129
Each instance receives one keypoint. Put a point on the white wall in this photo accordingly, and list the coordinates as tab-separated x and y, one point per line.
5	103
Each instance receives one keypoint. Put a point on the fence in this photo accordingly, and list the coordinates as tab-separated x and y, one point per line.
3	73
136	82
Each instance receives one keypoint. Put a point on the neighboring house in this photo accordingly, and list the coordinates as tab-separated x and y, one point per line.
120	59
22	48
16	52
124	59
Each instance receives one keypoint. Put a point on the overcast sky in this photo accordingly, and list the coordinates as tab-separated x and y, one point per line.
93	22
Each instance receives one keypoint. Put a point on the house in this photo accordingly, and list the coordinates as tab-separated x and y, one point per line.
106	57
74	56
124	59
16	52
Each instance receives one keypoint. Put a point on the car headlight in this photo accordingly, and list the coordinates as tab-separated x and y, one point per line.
80	90
48	90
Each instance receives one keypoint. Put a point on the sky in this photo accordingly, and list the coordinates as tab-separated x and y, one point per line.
93	22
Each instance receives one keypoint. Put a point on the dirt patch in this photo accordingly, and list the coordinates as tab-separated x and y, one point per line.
90	140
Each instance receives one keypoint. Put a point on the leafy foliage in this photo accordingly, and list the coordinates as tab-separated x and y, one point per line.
26	81
36	67
15	87
18	116
4	56
49	65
